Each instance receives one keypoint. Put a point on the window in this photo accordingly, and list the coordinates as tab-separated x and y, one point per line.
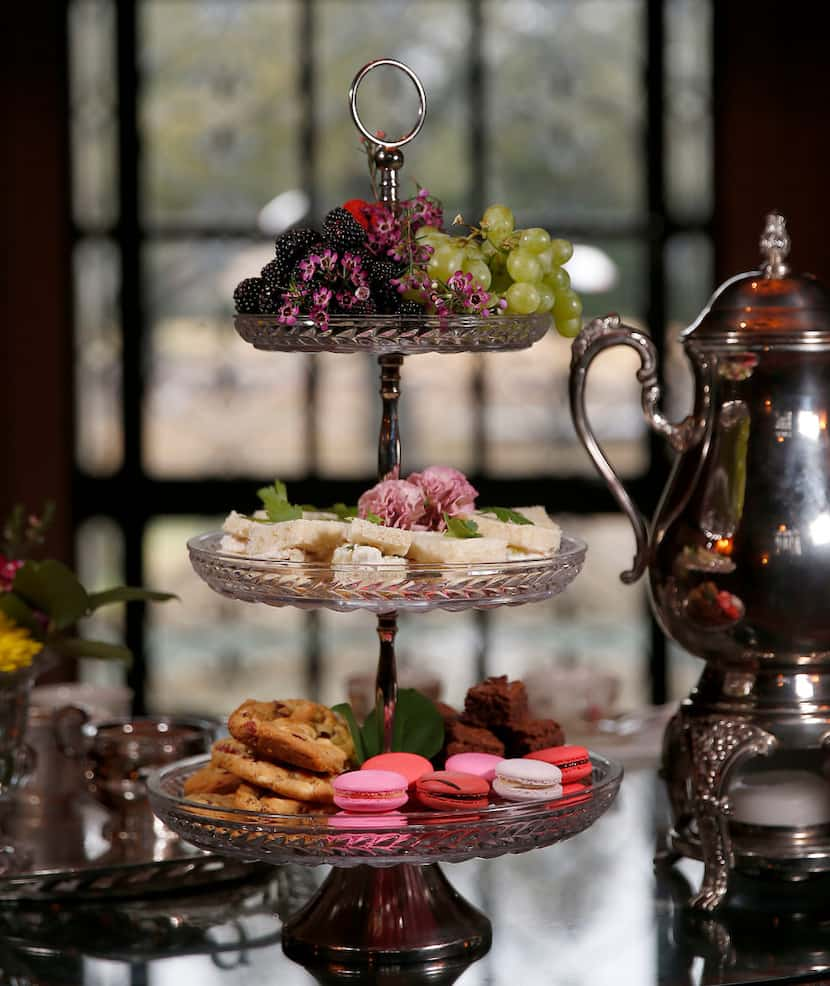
589	117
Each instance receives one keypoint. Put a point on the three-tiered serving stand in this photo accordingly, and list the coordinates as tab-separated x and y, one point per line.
386	900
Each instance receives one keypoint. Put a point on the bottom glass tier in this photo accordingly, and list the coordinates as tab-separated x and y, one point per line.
418	836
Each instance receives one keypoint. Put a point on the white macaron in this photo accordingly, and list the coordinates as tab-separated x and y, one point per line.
527	780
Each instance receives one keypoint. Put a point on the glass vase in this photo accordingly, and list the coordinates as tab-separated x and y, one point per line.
15	757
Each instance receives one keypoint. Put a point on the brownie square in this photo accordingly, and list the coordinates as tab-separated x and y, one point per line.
461	738
496	702
532	734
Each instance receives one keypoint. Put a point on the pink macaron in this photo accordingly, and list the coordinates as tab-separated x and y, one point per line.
370	790
479	764
411	765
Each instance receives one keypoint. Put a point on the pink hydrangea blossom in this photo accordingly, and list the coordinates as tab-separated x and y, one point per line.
445	490
397	503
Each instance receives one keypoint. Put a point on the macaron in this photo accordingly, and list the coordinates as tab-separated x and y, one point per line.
370	790
573	761
479	764
450	789
364	820
527	780
411	765
574	794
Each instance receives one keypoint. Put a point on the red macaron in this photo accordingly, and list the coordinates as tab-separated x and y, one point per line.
450	790
411	765
573	761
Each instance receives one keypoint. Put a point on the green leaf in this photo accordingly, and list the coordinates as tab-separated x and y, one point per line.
506	515
275	500
372	733
126	594
14	607
457	527
373	518
52	588
419	727
345	710
76	647
342	511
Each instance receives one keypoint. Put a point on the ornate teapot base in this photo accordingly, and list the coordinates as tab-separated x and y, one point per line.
767	817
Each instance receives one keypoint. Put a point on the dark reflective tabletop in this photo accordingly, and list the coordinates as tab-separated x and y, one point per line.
588	912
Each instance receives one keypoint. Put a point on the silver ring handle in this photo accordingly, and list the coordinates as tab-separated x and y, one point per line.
422	102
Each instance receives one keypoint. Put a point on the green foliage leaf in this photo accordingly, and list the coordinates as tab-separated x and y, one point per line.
52	588
76	647
419	727
373	518
342	511
14	607
345	710
275	500
126	594
506	515
457	527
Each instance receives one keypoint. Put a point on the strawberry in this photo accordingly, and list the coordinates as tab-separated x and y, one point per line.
359	211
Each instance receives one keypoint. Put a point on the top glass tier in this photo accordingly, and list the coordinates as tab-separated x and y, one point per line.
387	334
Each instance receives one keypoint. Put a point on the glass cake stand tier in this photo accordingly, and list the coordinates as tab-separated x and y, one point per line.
386	901
420	587
426	836
400	334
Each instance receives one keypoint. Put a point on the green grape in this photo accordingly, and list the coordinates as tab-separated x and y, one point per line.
568	304
425	232
558	279
545	258
562	251
498	263
568	327
479	270
488	250
497	222
446	260
501	282
473	251
522	298
523	266
534	239
546	297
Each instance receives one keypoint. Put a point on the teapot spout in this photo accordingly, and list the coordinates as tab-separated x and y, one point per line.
600	334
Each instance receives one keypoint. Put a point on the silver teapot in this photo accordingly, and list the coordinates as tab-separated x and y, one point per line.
738	557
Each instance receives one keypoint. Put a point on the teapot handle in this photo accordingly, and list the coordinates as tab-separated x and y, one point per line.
602	333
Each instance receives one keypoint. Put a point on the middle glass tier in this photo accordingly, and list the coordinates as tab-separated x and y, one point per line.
381	589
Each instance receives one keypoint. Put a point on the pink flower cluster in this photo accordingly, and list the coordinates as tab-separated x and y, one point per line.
420	501
325	276
8	569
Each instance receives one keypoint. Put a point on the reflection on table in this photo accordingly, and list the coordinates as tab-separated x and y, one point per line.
588	912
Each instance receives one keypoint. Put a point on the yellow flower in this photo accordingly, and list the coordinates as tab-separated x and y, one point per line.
17	648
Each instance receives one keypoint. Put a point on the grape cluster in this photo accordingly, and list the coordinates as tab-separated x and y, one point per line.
523	268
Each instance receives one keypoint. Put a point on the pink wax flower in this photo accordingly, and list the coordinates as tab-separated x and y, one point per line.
445	490
397	503
8	569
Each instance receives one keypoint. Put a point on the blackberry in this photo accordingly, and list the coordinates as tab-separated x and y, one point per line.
411	308
381	272
290	247
270	300
275	277
342	231
367	307
247	294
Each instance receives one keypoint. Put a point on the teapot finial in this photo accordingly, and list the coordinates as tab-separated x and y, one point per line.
775	246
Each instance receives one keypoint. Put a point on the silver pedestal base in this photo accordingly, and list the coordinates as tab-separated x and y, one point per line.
369	916
730	718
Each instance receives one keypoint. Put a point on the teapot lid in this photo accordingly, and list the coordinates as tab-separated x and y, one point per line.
766	307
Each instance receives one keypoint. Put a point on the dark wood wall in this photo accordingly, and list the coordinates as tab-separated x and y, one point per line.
36	407
772	130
